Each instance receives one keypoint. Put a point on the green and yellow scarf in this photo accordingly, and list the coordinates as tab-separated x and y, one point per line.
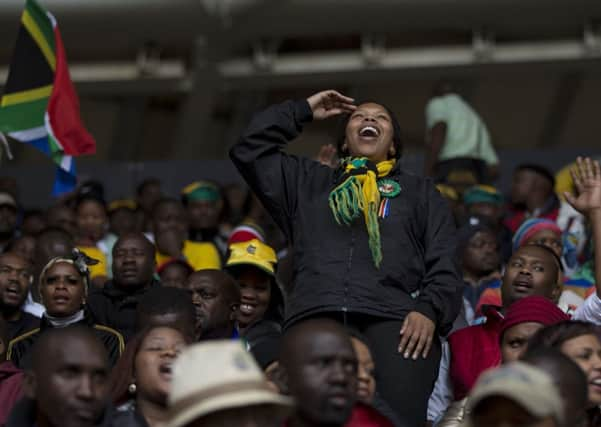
358	193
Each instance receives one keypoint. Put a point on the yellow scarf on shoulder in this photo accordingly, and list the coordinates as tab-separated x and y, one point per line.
358	194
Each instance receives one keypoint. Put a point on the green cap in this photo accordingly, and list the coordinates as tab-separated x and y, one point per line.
482	194
201	191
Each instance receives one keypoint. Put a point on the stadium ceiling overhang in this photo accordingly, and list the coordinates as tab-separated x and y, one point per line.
266	42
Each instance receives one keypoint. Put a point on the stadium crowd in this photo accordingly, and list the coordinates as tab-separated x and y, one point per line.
336	291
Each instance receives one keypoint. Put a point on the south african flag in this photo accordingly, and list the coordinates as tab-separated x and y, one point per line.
40	105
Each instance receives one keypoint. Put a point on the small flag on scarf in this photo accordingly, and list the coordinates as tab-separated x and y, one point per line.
40	106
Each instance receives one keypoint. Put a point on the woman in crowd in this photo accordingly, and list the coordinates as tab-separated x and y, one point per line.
581	342
92	238
366	372
253	264
142	379
64	284
373	245
522	320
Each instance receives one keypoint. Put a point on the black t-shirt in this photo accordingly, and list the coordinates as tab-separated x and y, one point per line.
26	323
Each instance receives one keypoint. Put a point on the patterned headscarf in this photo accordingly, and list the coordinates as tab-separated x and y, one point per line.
79	260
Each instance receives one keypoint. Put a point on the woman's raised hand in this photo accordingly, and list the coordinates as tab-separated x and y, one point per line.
330	103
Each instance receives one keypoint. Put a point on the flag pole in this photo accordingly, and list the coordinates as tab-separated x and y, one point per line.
4	143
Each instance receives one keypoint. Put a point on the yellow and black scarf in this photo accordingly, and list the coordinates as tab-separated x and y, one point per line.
358	193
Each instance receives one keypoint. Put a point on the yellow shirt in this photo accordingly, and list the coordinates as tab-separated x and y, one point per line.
200	255
99	269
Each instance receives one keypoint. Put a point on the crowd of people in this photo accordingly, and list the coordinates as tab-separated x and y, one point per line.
330	292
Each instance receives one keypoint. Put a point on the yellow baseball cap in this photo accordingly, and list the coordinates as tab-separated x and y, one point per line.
122	204
253	252
447	192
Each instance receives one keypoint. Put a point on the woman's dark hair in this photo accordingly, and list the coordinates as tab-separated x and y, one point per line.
555	335
123	372
91	198
396	134
90	190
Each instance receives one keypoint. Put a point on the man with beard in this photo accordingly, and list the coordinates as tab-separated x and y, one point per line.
15	279
216	298
133	268
67	385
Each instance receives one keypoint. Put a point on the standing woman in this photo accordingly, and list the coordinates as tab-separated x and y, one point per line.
64	284
374	246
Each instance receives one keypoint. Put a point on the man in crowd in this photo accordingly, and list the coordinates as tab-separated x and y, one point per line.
115	304
204	203
122	217
460	151
62	216
216	298
174	272
168	306
532	196
8	219
15	279
320	369
532	270
486	202
67	385
11	378
148	194
33	222
170	231
478	251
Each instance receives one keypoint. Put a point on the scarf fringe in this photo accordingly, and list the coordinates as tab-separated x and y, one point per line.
346	201
358	194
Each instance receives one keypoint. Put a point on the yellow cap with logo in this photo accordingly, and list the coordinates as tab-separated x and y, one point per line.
253	252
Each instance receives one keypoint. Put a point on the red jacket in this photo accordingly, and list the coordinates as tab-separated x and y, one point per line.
473	350
364	416
11	381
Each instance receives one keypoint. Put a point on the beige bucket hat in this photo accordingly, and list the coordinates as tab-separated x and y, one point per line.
218	375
